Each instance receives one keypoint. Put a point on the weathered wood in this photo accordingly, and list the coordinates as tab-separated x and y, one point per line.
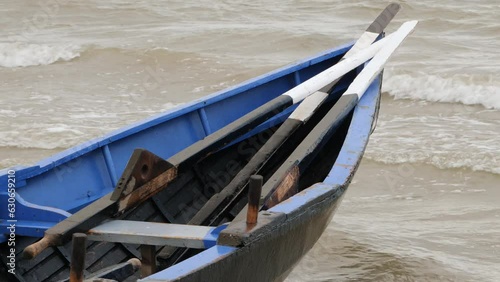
287	187
255	186
221	199
151	233
213	142
287	176
142	167
148	262
78	257
117	272
36	248
298	117
147	190
97	212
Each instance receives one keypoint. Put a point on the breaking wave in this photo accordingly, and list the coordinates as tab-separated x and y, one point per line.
484	162
445	141
468	90
24	55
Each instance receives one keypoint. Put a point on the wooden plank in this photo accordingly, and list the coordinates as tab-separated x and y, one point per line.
119	272
148	262
151	233
117	254
78	257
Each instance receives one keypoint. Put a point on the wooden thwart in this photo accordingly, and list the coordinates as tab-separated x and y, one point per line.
152	233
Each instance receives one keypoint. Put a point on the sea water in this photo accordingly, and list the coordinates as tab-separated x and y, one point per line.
425	202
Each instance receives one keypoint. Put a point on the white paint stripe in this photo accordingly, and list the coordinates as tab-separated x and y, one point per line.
375	66
305	110
366	39
370	35
335	72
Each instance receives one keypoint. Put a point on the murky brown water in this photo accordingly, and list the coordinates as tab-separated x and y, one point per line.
425	204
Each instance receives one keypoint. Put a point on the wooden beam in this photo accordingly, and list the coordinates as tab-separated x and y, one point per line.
152	233
78	257
148	262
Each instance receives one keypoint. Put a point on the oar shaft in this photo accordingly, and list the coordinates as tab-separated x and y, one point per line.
223	136
338	70
284	181
219	202
375	66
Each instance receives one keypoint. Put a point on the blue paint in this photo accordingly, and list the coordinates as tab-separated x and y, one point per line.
297	78
340	175
193	263
301	199
348	158
76	177
356	138
110	165
204	121
210	239
32	219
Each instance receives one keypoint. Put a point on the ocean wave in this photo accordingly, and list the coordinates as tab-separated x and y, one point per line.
428	134
480	162
43	136
455	89
24	55
76	127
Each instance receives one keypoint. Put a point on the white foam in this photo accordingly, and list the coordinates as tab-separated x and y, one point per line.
475	161
451	141
23	55
454	89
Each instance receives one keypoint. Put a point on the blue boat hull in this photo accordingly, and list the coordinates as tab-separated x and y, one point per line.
289	230
53	189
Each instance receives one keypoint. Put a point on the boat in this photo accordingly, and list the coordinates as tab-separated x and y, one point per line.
158	229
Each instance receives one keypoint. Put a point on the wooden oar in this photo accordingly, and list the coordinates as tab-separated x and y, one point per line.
128	195
184	160
284	182
218	202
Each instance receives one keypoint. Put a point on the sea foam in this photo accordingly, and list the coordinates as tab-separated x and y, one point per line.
455	89
23	55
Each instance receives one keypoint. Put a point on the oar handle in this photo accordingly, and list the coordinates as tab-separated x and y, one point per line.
36	248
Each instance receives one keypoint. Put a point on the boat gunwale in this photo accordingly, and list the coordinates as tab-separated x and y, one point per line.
46	164
306	202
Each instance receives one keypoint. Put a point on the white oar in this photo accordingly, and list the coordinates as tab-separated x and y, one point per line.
335	72
284	182
218	139
220	202
375	66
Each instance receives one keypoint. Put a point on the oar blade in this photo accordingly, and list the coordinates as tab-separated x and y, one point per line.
377	63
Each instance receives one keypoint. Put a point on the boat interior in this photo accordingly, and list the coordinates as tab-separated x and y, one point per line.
186	195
